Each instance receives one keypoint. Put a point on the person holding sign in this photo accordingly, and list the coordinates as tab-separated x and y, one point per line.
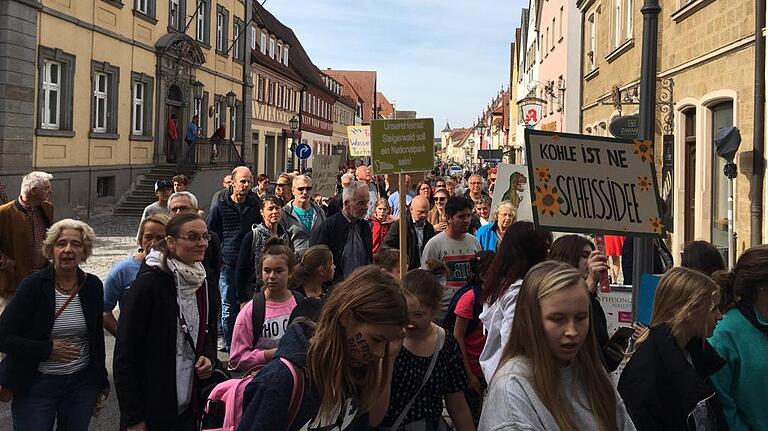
420	231
550	376
454	247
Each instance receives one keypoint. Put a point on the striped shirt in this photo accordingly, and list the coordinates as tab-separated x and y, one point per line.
70	326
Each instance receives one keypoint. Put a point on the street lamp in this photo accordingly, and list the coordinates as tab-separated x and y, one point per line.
293	123
197	90
231	99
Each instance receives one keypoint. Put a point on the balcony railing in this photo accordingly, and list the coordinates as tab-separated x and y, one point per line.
207	153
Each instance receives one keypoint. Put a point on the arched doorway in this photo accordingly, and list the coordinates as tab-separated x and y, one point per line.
174	109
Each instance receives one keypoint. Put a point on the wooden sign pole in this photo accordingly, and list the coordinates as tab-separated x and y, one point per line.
402	192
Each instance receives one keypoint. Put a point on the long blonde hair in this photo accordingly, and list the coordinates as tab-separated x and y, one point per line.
528	339
681	292
374	298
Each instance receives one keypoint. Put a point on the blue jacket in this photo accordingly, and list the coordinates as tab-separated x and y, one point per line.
231	222
267	397
487	236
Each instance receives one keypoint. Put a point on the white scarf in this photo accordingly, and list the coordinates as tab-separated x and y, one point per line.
189	277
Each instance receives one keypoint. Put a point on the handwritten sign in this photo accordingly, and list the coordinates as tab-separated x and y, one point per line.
324	171
359	141
592	184
512	185
402	145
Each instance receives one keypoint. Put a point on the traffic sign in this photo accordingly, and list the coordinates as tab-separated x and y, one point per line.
303	151
402	145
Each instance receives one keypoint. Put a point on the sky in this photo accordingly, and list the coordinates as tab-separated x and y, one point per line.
444	59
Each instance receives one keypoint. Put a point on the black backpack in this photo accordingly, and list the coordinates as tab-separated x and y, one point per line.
260	309
449	321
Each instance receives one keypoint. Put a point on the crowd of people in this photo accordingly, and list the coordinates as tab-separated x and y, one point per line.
494	325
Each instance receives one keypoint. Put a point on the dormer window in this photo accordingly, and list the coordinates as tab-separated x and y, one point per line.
263	44
271	51
285	55
279	56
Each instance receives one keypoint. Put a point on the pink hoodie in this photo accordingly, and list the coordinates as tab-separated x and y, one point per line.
243	356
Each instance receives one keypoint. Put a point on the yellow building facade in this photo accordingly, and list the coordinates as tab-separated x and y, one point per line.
108	76
705	81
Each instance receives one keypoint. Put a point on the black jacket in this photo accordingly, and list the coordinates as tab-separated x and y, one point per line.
267	397
334	231
663	392
27	322
392	240
231	222
145	350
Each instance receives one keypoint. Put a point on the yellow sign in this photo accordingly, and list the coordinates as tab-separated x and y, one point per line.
359	141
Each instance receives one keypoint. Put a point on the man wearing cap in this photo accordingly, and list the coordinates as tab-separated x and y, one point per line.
163	189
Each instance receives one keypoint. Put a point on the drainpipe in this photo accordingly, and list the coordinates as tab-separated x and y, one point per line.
758	138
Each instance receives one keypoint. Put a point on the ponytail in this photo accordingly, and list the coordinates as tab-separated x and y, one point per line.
278	247
313	259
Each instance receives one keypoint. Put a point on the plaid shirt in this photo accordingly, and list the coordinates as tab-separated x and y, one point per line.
38	232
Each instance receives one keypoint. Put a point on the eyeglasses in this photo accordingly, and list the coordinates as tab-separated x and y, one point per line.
195	237
304	189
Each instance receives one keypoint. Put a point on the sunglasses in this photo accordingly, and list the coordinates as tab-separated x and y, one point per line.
440	199
304	189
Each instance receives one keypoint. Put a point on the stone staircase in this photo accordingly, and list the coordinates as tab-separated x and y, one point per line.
142	191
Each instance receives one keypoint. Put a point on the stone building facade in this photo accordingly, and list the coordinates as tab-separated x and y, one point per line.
705	81
91	85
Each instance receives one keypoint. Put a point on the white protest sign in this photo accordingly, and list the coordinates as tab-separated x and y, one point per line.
592	184
324	171
359	141
512	186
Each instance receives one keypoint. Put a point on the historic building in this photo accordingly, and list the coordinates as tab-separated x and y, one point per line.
90	85
343	115
705	81
364	84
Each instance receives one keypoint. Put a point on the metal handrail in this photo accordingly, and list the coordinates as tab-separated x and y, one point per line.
208	153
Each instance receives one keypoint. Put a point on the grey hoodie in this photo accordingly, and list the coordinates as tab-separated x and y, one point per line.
295	228
512	404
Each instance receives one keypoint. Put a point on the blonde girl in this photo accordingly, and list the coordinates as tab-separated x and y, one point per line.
550	376
347	359
666	384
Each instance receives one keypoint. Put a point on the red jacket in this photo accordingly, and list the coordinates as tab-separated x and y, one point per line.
380	230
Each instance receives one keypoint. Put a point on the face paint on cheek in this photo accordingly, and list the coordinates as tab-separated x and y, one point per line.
359	350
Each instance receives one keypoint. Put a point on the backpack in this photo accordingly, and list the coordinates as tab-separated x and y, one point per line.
449	321
260	309
228	396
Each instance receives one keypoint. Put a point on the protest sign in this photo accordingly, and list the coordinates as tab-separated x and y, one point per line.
324	171
359	141
402	145
512	186
592	184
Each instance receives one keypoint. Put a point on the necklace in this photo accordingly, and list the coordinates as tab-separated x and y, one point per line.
63	290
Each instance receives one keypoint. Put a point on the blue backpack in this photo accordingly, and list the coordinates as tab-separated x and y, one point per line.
449	321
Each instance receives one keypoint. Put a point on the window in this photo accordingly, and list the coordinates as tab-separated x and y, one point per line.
271	47
51	87
105	186
263	44
553	33
234	130
176	14
260	90
104	102
204	114
628	20
142	6
689	163
722	116
56	72
222	18
219	111
253	37
271	98
238	43
285	55
141	106
202	22
560	31
622	21
197	109
592	42
545	47
145	9
279	56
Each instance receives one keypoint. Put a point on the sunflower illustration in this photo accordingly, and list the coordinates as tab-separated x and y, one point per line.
644	183
643	149
543	175
656	224
555	138
548	200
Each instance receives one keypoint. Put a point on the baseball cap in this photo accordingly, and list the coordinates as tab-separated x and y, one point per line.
163	184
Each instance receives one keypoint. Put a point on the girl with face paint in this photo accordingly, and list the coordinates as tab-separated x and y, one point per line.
347	358
447	379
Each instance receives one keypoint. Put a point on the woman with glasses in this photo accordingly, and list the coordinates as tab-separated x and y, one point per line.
151	231
283	187
424	189
437	217
252	247
158	361
490	235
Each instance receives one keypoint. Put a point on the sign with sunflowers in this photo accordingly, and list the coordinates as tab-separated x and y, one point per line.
591	184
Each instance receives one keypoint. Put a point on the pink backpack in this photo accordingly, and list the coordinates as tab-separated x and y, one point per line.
231	394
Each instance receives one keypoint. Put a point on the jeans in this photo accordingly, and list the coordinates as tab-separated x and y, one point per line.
229	305
69	400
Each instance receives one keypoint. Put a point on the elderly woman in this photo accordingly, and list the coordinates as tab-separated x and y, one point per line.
159	360
491	234
151	231
249	259
52	335
437	217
